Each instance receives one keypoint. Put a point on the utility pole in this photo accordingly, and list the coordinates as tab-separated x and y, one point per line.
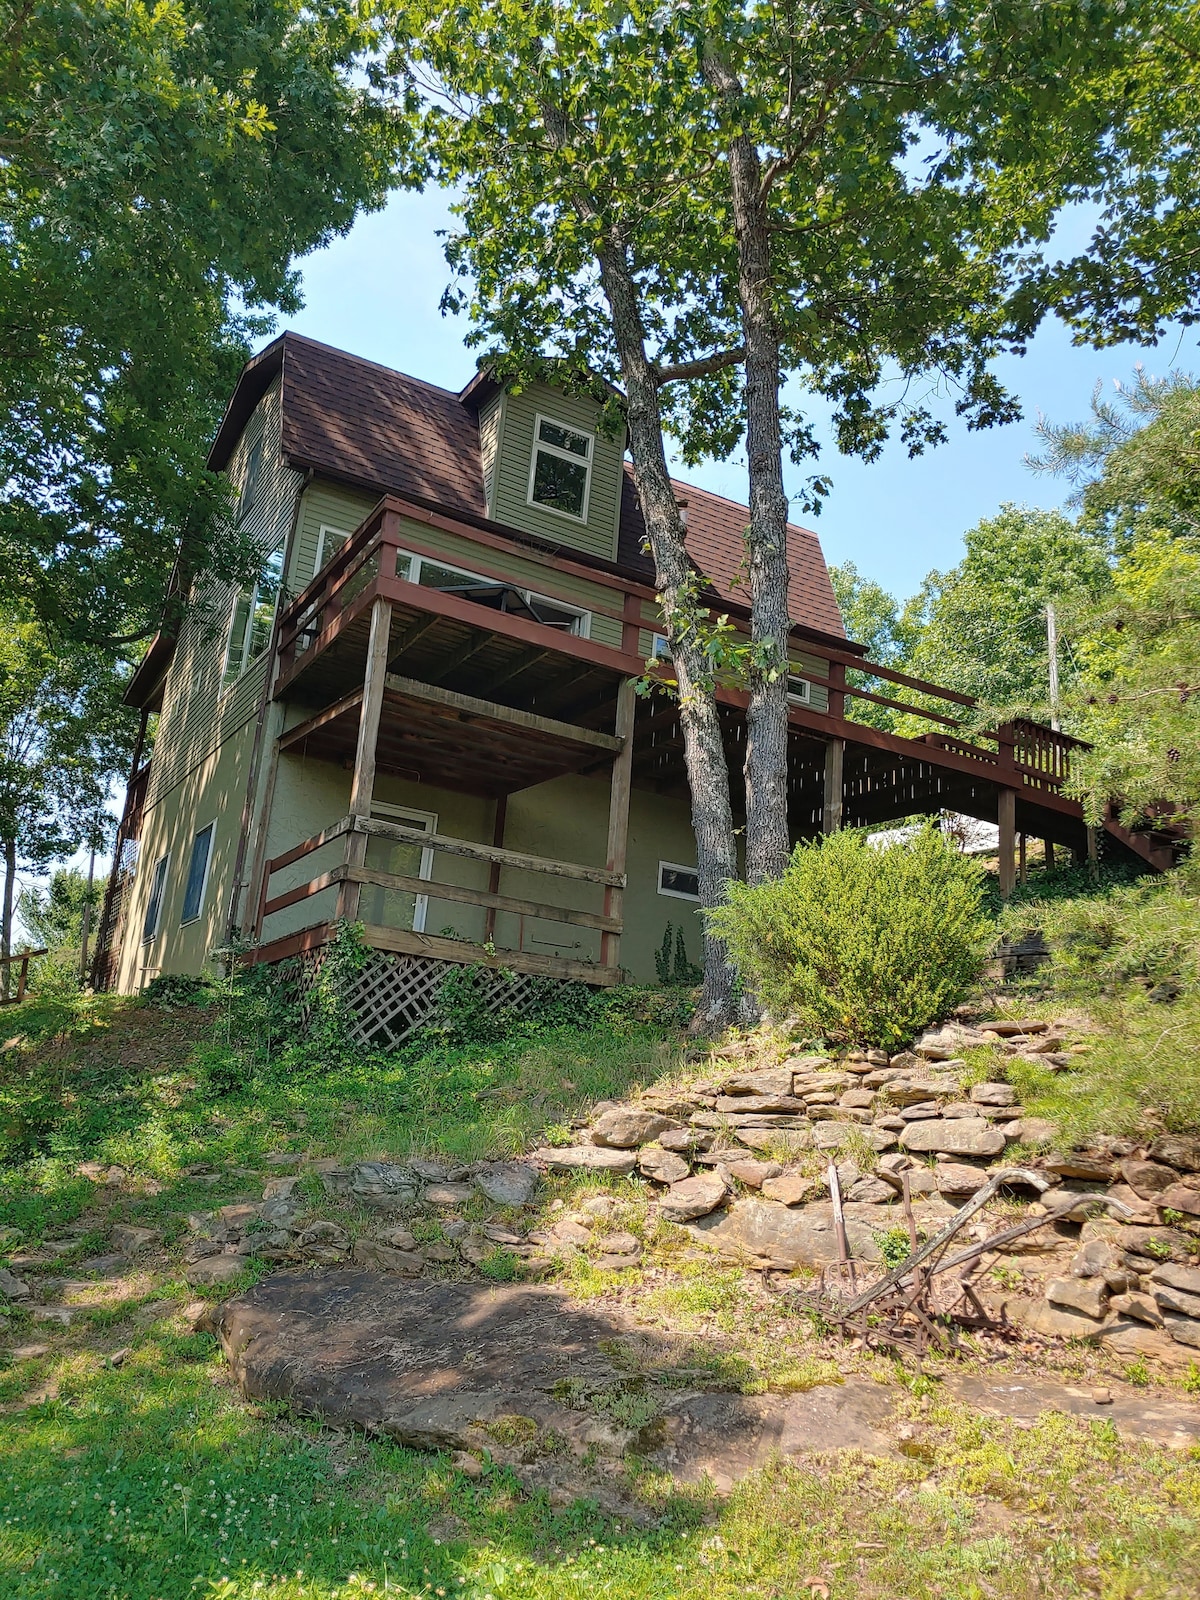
1052	650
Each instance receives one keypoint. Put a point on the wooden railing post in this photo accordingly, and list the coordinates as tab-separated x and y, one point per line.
837	689
832	804
620	790
362	786
1006	816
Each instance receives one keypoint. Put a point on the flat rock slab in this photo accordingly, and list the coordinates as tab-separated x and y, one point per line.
1135	1415
759	1229
462	1366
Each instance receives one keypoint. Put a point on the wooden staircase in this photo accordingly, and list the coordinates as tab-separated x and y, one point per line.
1159	848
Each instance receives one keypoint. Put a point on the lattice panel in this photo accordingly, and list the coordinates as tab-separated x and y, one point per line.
395	995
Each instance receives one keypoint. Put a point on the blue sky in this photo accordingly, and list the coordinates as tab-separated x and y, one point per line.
376	292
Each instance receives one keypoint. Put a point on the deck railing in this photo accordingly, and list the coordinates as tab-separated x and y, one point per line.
346	872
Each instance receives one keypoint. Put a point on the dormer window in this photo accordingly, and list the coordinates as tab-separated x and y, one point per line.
561	469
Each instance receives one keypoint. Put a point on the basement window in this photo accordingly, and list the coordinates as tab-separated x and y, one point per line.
158	885
681	883
197	878
561	469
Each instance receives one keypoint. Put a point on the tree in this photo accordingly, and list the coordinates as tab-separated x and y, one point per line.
876	619
162	165
53	917
983	623
64	737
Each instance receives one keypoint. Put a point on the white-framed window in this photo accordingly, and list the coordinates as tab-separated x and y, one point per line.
395	854
254	616
560	469
197	878
681	883
799	691
660	647
329	542
494	593
158	887
252	474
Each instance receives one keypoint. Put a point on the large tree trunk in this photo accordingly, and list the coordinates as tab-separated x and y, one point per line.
704	750
6	914
767	839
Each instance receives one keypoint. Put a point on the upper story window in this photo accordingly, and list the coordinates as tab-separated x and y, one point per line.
329	542
254	616
799	691
495	594
252	475
561	469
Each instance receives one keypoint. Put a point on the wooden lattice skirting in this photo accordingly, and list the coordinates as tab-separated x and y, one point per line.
395	995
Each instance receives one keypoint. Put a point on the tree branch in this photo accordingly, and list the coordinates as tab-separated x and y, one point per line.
701	367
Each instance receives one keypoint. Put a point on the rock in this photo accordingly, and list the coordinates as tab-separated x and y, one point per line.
775	1104
922	1110
1036	1130
770	1081
1096	1258
128	1240
754	1173
1176	1277
839	1113
879	1139
573	1231
1177	1301
793	1237
1088	1296
662	1166
1181	1197
283	1158
12	1287
586	1158
785	1140
508	1183
1148	1179
447	1194
693	1197
1183	1330
682	1140
371	1253
1102	1397
994	1094
280	1188
238	1216
858	1099
106	1266
1179	1150
215	1270
1158	1244
1080	1164
961	1108
620	1244
792	1189
870	1191
441	1251
1138	1306
429	1171
832	1135
954	1178
324	1233
601	1206
335	1179
382	1185
960	1137
626	1126
1010	1030
63	1315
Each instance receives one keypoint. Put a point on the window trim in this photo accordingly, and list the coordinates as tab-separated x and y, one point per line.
804	696
159	883
211	829
322	558
587	463
251	481
416	563
678	894
228	676
391	812
663	654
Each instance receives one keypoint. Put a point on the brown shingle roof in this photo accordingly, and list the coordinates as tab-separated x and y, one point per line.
367	424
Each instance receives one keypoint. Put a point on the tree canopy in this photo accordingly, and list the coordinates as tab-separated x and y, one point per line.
162	164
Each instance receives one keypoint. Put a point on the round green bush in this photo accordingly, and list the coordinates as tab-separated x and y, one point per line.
861	945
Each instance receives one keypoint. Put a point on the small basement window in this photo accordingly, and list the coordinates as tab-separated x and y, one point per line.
682	883
197	878
158	885
799	691
561	469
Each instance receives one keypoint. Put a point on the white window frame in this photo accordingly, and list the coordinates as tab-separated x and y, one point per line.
531	596
563	455
660	647
429	821
677	894
327	529
211	829
801	693
228	676
163	861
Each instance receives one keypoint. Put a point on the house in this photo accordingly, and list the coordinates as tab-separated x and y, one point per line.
421	716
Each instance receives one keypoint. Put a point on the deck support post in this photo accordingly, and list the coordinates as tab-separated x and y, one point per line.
620	789
1048	845
1023	860
362	786
832	803
489	916
1006	816
1093	852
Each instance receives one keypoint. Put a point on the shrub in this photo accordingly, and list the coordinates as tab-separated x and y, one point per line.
861	945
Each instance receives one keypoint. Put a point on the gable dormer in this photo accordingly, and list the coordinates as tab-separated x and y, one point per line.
548	467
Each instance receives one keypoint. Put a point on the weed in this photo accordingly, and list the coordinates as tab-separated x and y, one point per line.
1137	1373
501	1266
